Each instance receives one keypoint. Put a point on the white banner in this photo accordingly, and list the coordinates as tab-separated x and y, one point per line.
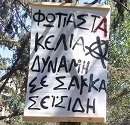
68	62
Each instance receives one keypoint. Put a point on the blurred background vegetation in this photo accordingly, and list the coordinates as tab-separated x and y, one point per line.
15	16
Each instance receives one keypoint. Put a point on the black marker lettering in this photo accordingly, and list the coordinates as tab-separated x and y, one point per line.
80	104
85	67
69	104
79	64
52	66
71	39
41	17
36	63
48	25
62	38
80	44
48	42
71	16
43	101
37	40
100	54
83	21
62	99
62	83
43	81
63	64
34	102
53	102
60	15
74	80
91	83
102	86
33	86
73	63
45	62
83	83
64	22
90	106
50	17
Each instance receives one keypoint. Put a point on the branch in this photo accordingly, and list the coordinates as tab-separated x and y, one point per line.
23	6
7	40
122	5
20	18
15	66
10	42
94	2
7	76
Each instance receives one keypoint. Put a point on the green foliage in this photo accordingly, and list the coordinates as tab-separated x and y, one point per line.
119	74
18	121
